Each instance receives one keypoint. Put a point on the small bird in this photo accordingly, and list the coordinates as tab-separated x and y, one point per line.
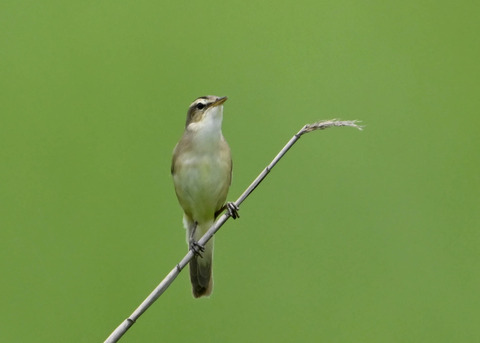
202	173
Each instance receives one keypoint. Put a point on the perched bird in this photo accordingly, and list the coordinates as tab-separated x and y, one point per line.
202	173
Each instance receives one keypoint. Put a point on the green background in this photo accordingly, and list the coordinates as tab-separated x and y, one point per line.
355	236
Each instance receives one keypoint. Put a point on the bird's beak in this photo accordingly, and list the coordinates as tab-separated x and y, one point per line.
219	101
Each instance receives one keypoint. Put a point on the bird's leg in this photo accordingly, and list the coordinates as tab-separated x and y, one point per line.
231	208
194	246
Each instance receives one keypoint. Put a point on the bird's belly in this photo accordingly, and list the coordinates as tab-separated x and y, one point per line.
202	185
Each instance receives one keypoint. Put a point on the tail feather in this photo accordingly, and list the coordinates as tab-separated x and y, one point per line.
201	276
200	266
201	272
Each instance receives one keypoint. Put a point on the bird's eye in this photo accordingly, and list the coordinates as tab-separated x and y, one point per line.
200	106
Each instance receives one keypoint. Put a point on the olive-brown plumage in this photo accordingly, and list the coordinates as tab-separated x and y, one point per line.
202	172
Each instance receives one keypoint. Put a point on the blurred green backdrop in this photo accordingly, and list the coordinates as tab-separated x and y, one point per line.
356	236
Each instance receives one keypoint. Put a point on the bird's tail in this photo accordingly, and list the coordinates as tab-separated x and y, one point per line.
200	265
201	272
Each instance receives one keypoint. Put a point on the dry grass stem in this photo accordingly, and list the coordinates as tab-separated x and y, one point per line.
127	323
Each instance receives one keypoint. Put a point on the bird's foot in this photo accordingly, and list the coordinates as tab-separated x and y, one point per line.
232	210
197	248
